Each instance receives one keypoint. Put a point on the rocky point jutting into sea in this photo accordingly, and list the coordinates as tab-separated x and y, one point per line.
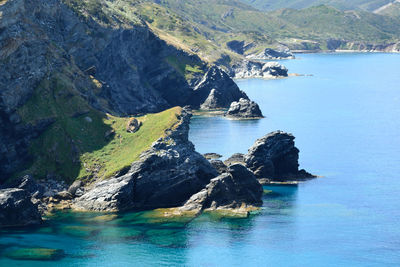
170	174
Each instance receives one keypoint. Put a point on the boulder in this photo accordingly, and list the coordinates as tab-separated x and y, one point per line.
74	187
231	190
17	209
133	125
166	175
275	157
244	109
274	69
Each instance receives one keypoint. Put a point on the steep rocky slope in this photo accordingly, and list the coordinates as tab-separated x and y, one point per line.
67	63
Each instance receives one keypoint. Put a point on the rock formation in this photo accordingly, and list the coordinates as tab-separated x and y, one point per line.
254	69
133	125
244	109
275	157
230	190
269	53
16	209
165	176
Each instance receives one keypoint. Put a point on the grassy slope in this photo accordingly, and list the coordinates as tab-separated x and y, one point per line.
392	11
76	145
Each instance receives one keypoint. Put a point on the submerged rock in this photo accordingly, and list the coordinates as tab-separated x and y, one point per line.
275	157
244	109
36	254
234	189
165	176
17	209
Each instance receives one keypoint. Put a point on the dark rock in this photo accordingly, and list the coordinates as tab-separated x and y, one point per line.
165	176
29	184
133	125
230	190
17	209
216	90
244	109
275	157
219	166
212	156
235	158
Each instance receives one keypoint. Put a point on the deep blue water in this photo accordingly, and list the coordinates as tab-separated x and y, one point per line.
346	119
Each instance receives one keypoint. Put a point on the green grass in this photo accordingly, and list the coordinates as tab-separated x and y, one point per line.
75	146
184	66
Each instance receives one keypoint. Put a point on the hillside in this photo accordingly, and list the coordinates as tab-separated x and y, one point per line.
391	10
366	5
208	30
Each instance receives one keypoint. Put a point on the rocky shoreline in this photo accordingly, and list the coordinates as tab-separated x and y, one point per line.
171	174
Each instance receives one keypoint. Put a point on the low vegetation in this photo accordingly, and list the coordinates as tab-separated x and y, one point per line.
81	142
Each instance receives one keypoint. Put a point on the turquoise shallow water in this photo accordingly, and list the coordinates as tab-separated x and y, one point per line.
346	121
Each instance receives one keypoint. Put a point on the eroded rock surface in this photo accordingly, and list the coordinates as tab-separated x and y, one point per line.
255	69
275	157
231	190
17	209
244	109
165	176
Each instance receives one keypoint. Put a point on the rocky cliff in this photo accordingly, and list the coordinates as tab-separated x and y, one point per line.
67	58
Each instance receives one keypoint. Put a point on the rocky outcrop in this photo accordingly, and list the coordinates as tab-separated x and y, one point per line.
230	190
133	125
219	166
212	156
275	157
254	69
165	176
215	90
281	52
239	47
244	109
16	209
235	158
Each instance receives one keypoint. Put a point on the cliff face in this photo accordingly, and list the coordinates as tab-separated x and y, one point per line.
88	55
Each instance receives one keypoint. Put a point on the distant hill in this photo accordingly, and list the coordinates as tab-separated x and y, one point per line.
206	26
366	5
391	10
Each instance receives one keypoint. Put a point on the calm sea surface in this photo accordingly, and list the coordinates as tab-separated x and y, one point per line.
346	119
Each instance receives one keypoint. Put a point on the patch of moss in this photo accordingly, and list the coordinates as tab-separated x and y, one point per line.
40	254
184	66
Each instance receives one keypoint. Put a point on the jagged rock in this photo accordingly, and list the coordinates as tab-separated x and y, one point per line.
239	47
279	53
133	125
254	69
165	176
235	158
219	166
231	190
275	157
16	209
244	109
29	184
215	90
212	156
74	187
